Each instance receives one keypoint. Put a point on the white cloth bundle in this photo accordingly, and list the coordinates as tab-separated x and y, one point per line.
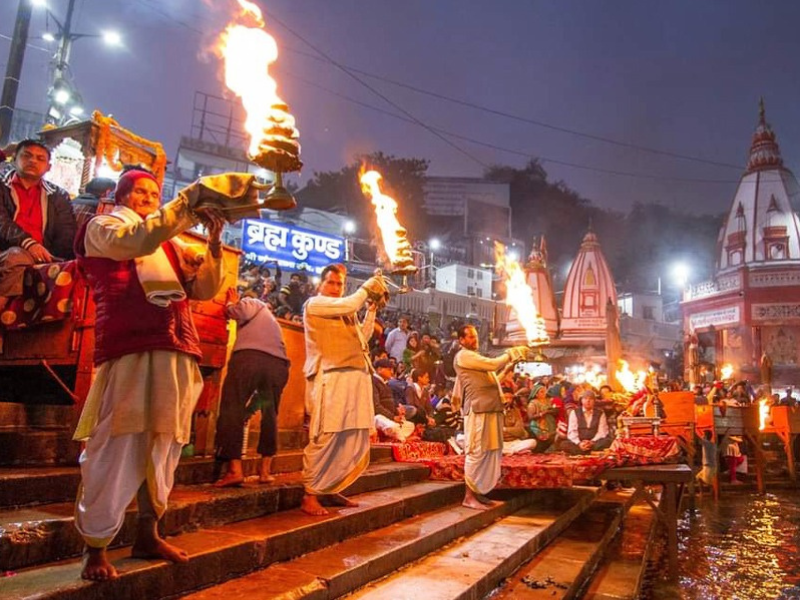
158	279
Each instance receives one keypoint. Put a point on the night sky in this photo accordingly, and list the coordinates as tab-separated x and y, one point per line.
679	77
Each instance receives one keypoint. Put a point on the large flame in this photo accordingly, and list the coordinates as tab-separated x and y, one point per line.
726	371
392	233
248	51
763	413
632	382
519	296
593	376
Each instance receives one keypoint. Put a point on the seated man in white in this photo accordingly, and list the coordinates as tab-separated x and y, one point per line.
389	416
515	434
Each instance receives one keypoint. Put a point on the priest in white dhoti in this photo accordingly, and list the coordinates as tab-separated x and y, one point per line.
338	387
138	411
478	387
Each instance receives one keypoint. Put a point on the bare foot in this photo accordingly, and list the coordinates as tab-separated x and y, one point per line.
339	500
159	548
229	480
310	505
476	501
266	479
96	565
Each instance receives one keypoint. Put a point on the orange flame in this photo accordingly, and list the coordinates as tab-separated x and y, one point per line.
248	53
726	371
392	233
763	414
519	296
632	382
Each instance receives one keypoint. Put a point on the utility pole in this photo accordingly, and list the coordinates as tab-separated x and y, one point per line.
16	54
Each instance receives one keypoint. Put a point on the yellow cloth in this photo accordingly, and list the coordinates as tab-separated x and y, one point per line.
151	391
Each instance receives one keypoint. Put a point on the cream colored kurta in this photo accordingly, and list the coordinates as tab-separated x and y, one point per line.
339	402
483	432
127	380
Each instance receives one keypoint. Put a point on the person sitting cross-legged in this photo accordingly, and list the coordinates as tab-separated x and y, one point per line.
390	418
588	428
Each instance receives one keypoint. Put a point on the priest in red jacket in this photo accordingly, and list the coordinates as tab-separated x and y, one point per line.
138	412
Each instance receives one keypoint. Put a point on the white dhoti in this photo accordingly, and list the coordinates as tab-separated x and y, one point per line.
393	429
136	418
483	450
518	446
342	415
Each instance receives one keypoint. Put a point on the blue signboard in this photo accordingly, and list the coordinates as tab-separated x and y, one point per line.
293	247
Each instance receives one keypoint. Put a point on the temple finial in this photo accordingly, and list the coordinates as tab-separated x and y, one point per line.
761	111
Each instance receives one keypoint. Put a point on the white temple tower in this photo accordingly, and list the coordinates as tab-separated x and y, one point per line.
589	287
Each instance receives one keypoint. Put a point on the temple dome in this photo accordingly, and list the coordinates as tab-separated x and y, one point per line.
761	228
589	287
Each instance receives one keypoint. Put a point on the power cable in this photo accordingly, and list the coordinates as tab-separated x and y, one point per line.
528	120
529	155
376	92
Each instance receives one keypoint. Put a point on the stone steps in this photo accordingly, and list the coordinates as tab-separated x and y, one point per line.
30	486
561	570
621	573
45	533
474	566
339	569
218	554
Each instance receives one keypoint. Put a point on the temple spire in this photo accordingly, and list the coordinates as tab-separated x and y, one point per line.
764	150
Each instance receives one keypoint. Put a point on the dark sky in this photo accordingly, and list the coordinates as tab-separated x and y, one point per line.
678	76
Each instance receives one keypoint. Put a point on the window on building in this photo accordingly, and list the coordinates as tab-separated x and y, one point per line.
480	275
470	273
479	293
470	290
648	313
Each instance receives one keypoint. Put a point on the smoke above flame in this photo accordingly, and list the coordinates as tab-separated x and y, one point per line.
519	296
248	51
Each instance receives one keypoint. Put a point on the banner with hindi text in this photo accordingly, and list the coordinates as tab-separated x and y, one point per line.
294	248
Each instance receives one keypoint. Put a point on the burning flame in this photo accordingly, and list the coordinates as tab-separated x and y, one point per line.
632	382
392	233
248	52
726	371
519	296
763	413
593	376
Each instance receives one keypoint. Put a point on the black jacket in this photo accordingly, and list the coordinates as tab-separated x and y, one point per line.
59	220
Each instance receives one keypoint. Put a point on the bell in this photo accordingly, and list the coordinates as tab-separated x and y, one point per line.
278	197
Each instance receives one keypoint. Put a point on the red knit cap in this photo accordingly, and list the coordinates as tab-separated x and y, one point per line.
128	180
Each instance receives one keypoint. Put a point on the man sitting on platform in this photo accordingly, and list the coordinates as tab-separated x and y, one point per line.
588	428
36	220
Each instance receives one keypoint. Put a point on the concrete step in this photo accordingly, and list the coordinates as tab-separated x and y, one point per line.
46	533
620	574
474	566
37	446
218	554
31	486
339	569
561	570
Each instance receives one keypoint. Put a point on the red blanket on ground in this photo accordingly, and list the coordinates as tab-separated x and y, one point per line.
46	296
551	470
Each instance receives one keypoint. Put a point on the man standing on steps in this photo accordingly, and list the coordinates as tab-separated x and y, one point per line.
137	415
338	387
482	407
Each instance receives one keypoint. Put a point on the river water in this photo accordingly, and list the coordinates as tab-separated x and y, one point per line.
747	547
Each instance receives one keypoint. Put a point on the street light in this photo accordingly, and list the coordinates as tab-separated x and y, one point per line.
65	102
681	274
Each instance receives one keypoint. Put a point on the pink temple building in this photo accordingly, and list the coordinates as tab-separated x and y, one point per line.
748	315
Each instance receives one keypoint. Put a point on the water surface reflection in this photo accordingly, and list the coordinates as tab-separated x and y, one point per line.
744	548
